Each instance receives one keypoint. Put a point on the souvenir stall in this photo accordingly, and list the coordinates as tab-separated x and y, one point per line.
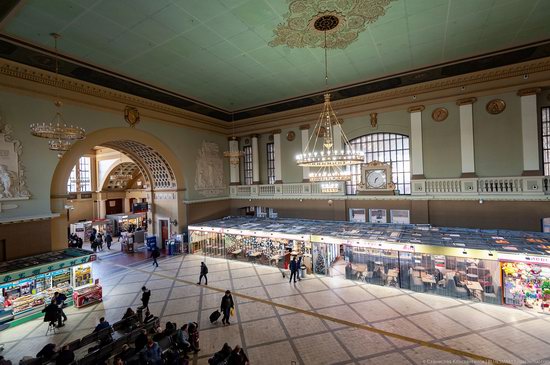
127	222
526	281
454	262
29	283
84	229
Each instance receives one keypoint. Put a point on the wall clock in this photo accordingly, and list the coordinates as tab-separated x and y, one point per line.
495	106
376	178
440	114
290	136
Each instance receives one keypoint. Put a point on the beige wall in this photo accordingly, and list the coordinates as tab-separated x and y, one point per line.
26	238
204	211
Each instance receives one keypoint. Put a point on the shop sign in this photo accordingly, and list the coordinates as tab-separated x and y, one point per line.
37	270
524	258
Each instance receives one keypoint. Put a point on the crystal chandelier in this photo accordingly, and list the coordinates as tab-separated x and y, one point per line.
320	153
60	135
234	154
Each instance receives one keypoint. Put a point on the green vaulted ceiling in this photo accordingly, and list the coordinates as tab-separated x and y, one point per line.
217	51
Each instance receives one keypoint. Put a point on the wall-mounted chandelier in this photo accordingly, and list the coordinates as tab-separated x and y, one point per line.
320	153
234	154
60	135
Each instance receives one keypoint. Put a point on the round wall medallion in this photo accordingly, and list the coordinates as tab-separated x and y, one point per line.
320	131
495	106
290	136
440	114
246	142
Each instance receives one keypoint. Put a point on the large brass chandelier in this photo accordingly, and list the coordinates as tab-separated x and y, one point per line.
60	134
320	153
234	154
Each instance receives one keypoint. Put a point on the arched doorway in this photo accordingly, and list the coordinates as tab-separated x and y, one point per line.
159	165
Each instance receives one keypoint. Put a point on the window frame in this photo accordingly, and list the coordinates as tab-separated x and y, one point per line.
80	178
270	156
545	137
248	166
390	147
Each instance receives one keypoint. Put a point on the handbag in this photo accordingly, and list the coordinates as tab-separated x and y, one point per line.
232	311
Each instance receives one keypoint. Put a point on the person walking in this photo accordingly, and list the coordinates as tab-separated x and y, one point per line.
108	240
204	271
226	306
59	299
100	241
299	268
293	269
155	254
145	296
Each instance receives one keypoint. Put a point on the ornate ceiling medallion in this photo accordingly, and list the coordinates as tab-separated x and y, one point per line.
343	20
495	106
440	114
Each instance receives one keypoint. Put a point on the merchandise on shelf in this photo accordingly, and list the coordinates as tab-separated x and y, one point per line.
88	295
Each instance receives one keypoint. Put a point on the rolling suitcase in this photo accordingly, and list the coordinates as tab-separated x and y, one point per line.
215	316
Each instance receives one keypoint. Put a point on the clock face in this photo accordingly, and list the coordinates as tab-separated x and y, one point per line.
376	179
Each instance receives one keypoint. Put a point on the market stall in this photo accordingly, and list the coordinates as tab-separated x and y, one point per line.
455	262
84	229
127	222
29	283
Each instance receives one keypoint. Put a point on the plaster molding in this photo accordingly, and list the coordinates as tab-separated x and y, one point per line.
529	91
416	108
304	127
466	101
488	82
199	201
46	78
29	218
276	131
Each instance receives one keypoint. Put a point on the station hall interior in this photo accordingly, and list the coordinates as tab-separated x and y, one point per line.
297	181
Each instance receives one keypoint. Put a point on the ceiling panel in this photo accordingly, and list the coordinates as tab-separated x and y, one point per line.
206	50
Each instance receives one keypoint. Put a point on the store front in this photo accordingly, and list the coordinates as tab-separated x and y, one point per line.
127	222
29	283
84	229
526	281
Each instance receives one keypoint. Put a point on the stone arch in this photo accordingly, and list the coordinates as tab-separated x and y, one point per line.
158	163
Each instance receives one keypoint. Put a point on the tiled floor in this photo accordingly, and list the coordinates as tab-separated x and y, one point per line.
316	321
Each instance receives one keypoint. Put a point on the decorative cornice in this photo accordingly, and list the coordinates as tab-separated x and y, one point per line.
416	108
304	127
276	131
32	74
529	91
233	138
466	101
255	135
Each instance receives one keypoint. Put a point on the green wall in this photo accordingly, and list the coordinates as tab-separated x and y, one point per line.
20	110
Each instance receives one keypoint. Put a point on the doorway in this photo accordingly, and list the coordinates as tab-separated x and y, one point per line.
164	229
113	206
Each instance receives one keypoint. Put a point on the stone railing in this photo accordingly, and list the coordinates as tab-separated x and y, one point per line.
519	185
288	190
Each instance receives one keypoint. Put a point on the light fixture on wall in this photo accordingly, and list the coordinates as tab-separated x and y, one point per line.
233	154
319	152
57	131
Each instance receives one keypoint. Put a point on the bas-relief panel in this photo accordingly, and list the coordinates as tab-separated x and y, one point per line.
13	185
209	175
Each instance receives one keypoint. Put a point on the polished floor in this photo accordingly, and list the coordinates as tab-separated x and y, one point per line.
318	320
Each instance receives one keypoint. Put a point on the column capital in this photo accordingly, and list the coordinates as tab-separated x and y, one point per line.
233	138
339	121
304	127
529	91
276	131
416	108
255	136
466	101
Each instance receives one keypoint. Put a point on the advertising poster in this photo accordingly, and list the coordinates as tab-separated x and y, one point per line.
377	216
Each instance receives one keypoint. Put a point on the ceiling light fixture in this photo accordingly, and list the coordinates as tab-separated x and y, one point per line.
320	152
234	154
57	131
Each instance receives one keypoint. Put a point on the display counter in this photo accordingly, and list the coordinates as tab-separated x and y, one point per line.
32	282
87	295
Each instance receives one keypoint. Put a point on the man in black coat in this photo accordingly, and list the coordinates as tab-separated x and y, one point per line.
204	271
226	305
52	314
145	296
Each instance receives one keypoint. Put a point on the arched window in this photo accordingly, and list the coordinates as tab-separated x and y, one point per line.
385	147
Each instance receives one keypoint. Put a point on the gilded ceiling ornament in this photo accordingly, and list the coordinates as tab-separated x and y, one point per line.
343	19
131	115
440	114
495	106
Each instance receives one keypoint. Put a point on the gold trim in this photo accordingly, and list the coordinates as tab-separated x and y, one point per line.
276	131
416	108
466	101
304	127
495	106
529	91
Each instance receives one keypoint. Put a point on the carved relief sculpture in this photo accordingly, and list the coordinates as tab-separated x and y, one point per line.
209	178
12	173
